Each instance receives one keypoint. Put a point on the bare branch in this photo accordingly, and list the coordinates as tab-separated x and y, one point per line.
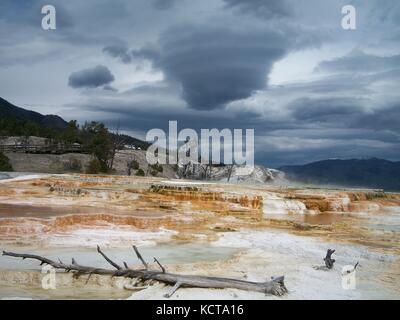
116	266
146	266
159	264
173	290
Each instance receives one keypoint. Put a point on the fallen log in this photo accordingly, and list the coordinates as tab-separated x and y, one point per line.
275	286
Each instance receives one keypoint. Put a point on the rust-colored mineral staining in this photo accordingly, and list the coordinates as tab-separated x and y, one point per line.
55	204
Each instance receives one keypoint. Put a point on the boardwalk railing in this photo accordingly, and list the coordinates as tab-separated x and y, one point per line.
55	148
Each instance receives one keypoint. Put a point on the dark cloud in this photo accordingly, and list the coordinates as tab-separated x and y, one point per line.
118	51
327	109
267	9
139	115
91	78
384	119
216	66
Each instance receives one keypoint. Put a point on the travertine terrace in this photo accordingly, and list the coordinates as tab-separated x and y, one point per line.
81	211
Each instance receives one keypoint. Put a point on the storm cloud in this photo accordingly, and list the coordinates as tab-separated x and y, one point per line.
216	66
327	110
91	78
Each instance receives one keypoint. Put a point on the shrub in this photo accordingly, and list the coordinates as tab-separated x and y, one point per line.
156	167
140	173
153	173
134	164
5	164
93	167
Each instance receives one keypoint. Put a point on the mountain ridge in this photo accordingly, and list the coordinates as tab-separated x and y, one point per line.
369	173
9	110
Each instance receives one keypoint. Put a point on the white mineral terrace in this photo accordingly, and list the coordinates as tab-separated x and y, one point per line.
243	232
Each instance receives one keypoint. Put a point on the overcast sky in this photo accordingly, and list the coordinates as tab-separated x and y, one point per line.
285	68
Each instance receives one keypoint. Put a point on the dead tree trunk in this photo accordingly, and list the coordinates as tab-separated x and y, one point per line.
328	259
275	286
